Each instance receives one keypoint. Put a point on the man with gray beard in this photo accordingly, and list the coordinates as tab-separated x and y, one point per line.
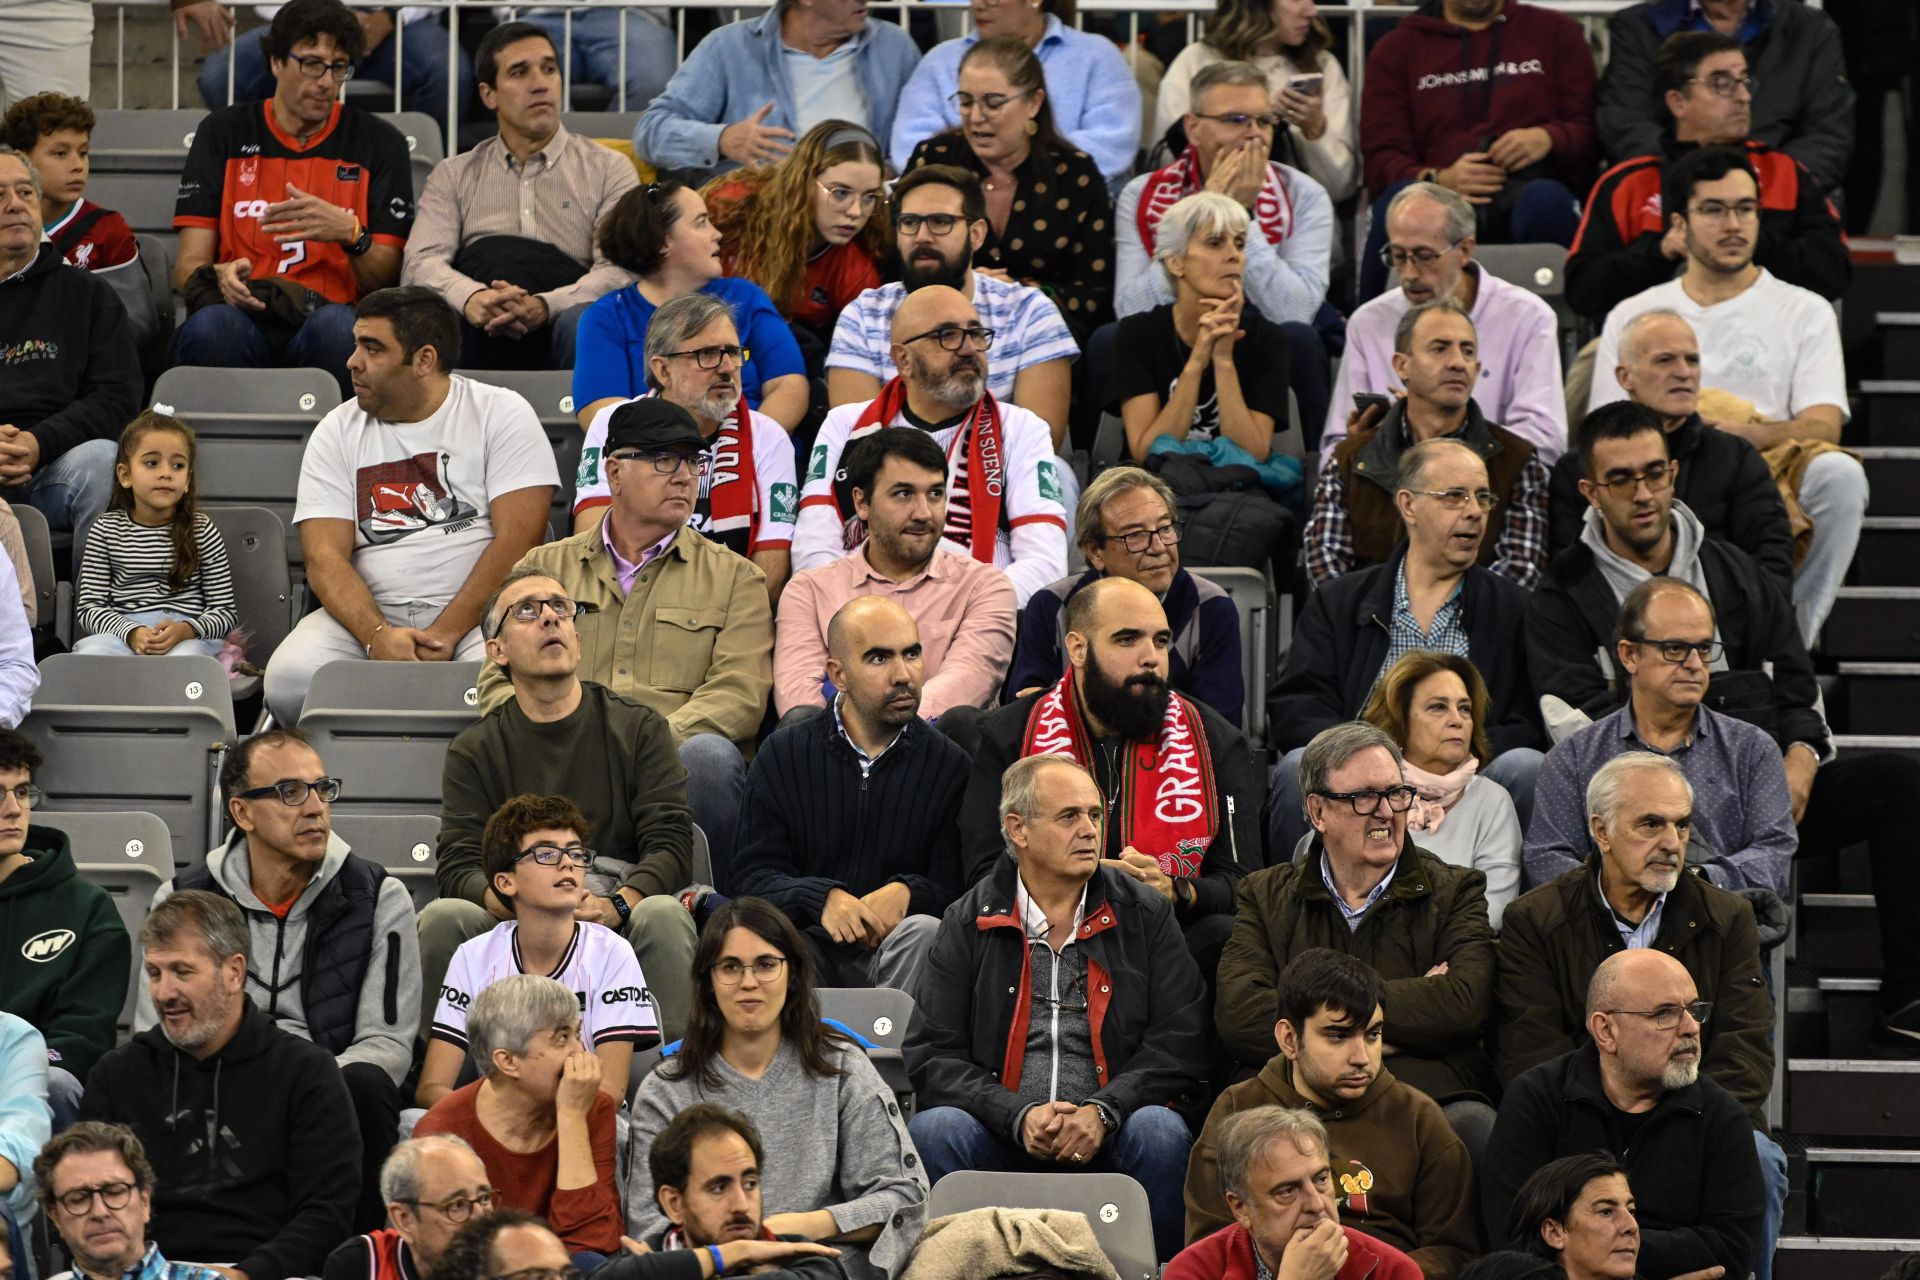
250	1129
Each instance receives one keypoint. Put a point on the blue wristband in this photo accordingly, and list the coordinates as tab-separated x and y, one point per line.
719	1264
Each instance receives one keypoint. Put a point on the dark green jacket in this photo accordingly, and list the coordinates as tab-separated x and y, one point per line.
65	957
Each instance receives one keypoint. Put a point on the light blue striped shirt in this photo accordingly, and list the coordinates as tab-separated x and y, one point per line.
1027	330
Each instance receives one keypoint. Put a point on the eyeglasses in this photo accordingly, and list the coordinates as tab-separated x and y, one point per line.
1719	211
458	1208
730	973
1138	540
840	197
713	357
1725	83
294	792
665	461
1657	478
1676	651
1267	120
549	855
529	610
940	224
541	1273
952	337
1399	799
990	103
77	1201
1394	256
314	68
1667	1016
1457	499
26	793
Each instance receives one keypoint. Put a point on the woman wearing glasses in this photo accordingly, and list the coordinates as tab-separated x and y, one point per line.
662	233
1049	217
810	230
1435	706
1287	41
848	1173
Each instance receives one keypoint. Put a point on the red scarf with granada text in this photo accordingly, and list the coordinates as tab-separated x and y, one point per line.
979	470
1164	799
733	490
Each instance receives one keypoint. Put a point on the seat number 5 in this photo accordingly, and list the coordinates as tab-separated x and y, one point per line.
291	256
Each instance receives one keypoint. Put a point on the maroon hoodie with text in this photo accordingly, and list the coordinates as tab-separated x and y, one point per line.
1435	91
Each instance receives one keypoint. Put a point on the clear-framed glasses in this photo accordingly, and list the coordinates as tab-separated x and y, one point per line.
79	1200
940	224
731	973
1138	540
844	197
952	337
1658	477
1268	120
1366	803
293	792
458	1208
1457	499
1676	651
314	68
552	855
26	793
1726	84
665	461
1720	210
1394	256
711	358
991	104
1667	1016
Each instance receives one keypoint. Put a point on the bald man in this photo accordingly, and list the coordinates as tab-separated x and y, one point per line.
1634	1089
850	824
1182	784
1006	493
965	609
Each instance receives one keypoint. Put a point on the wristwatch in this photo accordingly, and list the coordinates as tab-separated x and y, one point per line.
362	242
620	905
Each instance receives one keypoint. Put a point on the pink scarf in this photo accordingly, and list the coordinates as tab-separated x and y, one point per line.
1272	208
1439	792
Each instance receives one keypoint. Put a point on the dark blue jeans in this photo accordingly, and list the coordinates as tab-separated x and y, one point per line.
226	337
423	72
1541	211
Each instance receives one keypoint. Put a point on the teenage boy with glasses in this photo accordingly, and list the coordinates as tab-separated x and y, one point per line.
335	949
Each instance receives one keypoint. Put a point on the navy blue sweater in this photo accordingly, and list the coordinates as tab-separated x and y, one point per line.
811	822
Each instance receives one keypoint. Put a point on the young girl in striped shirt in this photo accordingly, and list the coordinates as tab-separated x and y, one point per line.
155	578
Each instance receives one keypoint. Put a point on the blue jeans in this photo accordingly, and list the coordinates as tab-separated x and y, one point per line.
226	337
1538	211
1773	1171
1151	1148
112	646
716	781
64	1091
652	52
72	489
423	72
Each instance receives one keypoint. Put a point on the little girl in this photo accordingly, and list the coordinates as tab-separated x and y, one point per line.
155	578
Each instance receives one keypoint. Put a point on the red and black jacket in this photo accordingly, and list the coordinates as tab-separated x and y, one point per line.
1617	251
1147	1006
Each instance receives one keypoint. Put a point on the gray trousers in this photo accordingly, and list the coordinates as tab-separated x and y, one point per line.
897	962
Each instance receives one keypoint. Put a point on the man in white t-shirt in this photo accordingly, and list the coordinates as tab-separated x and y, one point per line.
537	864
415	499
1771	366
1005	501
748	495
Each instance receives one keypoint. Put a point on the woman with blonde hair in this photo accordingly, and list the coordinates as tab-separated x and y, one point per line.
811	230
1435	706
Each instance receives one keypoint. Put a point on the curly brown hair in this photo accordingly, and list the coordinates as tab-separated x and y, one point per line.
519	817
31	119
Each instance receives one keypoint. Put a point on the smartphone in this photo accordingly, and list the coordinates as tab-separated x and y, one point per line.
1366	400
1309	85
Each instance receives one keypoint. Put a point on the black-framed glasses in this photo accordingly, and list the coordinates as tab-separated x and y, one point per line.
541	1273
1720	210
731	973
1676	651
78	1201
1239	119
26	793
313	68
1138	540
458	1208
1667	1016
710	358
843	197
991	103
1393	255
1367	802
552	855
294	792
952	337
1658	478
1457	499
1726	84
909	224
665	461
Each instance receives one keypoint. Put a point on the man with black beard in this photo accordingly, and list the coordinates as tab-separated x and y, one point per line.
1183	796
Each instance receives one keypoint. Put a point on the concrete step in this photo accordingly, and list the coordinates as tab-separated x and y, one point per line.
1874	623
1837	1257
1889	550
1838	931
1877	698
1899	340
1862	1192
1887	413
1894	473
1854	1097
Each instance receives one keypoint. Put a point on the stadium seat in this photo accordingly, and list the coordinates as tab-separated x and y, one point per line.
1539	269
402	843
1114	1204
882	1015
262	588
383	729
132	886
133	733
136	158
118	839
1253	597
425	145
53	599
702	857
550	392
253	426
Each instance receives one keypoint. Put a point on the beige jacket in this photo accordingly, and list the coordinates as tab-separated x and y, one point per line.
983	1243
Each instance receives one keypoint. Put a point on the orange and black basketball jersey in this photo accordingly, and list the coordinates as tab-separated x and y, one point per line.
241	162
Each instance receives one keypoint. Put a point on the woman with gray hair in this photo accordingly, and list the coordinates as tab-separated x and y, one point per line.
537	1117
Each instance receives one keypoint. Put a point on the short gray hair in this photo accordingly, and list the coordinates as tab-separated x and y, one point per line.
1229	72
678	320
33	174
1332	748
493	616
1607	789
1460	224
512	1011
1203	213
1104	488
222	928
1415	461
400	1174
1020	791
1627	350
1246	1135
1410	320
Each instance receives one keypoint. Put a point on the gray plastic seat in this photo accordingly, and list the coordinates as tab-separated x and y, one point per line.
1114	1204
146	141
1540	269
383	729
126	838
402	843
882	1015
425	145
550	392
53	599
262	586
1253	598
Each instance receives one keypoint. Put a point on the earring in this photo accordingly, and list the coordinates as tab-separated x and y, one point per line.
1033	127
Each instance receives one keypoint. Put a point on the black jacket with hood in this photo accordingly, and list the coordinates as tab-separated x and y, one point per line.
255	1148
65	957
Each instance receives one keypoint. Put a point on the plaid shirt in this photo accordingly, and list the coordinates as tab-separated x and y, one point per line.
154	1267
1519	554
1446	635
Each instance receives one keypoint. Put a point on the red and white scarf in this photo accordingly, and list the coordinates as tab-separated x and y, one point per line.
1165	796
1272	208
980	469
733	487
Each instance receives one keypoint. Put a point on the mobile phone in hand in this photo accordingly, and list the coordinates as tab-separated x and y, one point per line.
1367	400
1310	85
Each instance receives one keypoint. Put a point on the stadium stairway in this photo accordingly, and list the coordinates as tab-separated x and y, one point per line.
1851	1115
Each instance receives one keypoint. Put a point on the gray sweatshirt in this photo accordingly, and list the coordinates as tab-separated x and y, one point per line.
837	1143
279	948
